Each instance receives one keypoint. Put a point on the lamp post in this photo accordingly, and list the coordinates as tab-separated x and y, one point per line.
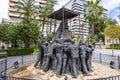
100	42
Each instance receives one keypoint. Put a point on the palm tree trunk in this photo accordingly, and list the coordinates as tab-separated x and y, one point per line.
82	33
92	33
50	25
54	27
47	28
43	24
26	43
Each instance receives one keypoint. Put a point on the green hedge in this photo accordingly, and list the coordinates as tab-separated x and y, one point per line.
115	45
17	52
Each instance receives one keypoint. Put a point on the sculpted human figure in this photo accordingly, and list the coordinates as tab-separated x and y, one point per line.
51	61
46	58
82	53
59	54
41	53
66	52
69	62
52	56
89	50
75	56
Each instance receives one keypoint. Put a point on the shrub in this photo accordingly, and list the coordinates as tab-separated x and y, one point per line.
17	52
117	46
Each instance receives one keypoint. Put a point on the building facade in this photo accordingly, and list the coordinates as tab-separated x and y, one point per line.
109	41
78	6
76	28
79	21
7	21
14	15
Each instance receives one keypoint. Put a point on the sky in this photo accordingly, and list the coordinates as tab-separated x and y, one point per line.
3	9
113	7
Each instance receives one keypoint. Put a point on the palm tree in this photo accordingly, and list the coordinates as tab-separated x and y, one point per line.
27	7
51	4
111	21
93	12
44	12
28	12
55	25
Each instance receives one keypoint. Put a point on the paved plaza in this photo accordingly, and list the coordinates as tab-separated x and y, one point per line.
107	51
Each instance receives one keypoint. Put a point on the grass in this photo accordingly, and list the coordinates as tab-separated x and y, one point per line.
36	49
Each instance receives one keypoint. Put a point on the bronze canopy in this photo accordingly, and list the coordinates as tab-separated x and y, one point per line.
63	13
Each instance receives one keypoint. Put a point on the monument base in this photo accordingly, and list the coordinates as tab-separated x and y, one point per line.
100	71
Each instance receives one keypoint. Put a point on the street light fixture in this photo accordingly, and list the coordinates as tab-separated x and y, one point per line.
100	41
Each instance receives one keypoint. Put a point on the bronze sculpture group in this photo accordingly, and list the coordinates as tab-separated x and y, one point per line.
65	56
62	54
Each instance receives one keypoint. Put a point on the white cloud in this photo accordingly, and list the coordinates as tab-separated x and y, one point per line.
110	4
60	4
113	8
3	8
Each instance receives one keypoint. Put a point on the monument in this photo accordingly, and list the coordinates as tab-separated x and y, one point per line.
63	55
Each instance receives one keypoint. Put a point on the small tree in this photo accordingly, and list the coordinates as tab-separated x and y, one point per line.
112	32
110	21
9	34
13	34
29	32
4	33
28	28
93	13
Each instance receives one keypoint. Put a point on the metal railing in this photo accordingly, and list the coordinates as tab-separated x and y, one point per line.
14	78
21	60
8	63
2	66
106	59
101	58
108	78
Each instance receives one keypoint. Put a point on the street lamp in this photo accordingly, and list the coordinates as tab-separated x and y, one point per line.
100	43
